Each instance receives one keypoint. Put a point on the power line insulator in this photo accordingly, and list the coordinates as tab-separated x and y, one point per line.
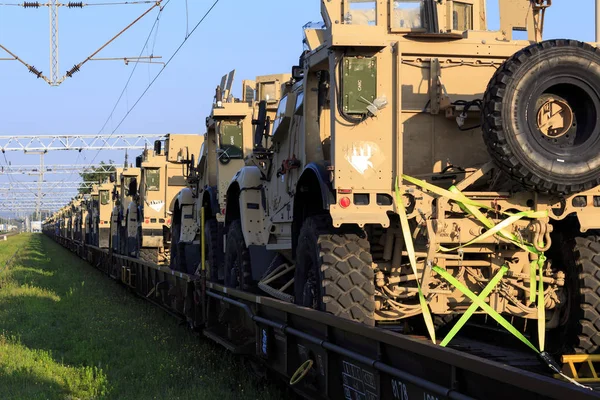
35	71
75	4
31	4
72	71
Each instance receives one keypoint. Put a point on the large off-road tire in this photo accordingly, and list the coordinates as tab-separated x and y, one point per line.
149	255
584	302
214	249
334	271
238	272
175	261
558	79
138	242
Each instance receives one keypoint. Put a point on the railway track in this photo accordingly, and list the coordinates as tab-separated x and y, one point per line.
345	360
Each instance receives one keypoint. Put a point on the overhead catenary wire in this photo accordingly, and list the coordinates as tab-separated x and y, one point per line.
166	65
75	4
124	91
206	14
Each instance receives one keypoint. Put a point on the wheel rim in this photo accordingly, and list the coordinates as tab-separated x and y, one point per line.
564	120
555	117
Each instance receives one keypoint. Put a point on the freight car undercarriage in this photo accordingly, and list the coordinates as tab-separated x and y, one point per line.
326	357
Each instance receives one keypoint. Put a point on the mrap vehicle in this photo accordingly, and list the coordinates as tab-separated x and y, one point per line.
379	193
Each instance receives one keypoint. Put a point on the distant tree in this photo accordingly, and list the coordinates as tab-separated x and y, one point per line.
94	176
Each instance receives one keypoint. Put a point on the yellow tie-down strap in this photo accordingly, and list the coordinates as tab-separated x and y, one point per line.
473	208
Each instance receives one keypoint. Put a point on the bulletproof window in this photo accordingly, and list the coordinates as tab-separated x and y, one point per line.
232	140
280	113
268	91
408	14
462	16
104	197
361	12
299	103
153	179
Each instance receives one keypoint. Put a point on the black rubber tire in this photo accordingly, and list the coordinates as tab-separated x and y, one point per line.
586	307
175	261
138	241
238	272
334	271
149	255
214	249
567	69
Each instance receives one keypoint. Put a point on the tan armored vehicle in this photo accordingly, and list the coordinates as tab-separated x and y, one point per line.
98	219
121	199
78	225
162	177
419	160
228	139
105	206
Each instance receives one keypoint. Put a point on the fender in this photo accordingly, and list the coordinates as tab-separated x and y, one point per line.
185	197
252	206
213	200
320	171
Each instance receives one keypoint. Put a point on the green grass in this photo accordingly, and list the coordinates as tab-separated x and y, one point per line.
69	332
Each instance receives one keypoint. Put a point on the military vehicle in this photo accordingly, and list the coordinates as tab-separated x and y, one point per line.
104	204
78	222
98	218
121	199
228	139
162	177
419	160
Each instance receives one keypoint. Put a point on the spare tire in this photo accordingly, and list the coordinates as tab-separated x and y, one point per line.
541	116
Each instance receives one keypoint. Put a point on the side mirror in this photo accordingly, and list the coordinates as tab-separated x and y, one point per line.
157	147
138	162
112	178
297	73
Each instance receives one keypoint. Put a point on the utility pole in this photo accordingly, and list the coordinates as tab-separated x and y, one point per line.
53	13
53	78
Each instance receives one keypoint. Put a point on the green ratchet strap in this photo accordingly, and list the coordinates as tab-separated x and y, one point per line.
478	302
473	208
473	307
413	261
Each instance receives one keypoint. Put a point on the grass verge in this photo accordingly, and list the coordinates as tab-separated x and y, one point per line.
68	332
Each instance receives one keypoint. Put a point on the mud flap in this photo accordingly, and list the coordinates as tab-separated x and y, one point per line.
260	259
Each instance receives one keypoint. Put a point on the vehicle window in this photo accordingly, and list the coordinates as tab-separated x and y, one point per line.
126	183
407	14
299	103
280	113
268	91
362	12
153	179
462	16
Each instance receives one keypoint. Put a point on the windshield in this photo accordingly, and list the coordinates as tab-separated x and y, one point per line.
408	14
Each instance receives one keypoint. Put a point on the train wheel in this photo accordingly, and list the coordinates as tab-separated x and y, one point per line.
334	272
238	273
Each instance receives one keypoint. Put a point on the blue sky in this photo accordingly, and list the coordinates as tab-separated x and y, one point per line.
255	37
